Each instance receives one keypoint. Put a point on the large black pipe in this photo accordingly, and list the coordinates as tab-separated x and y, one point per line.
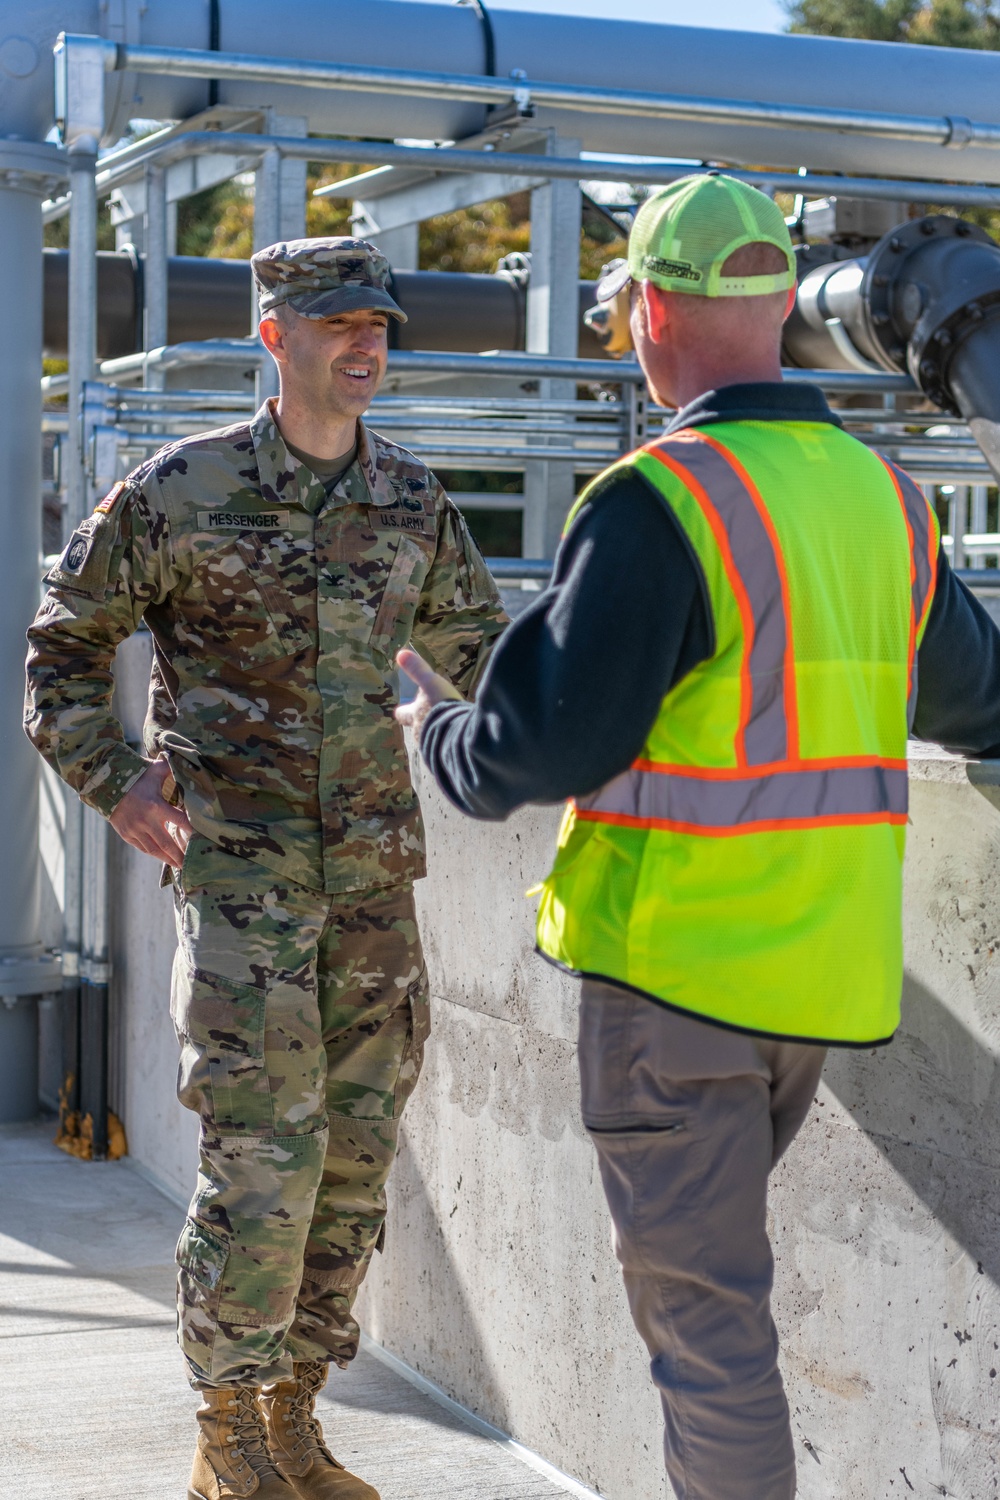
208	298
926	300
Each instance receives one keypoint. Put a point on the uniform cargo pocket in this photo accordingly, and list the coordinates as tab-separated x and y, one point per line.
202	1258
399	597
273	590
258	620
203	1255
637	1127
222	1024
413	1053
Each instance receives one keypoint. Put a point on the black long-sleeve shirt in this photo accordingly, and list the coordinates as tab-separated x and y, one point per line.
576	683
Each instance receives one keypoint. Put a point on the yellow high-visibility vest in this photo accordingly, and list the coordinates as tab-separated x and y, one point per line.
747	868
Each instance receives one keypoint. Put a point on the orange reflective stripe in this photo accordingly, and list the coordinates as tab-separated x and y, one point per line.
802	796
751	556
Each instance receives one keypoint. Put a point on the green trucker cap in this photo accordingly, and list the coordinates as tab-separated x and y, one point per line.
684	234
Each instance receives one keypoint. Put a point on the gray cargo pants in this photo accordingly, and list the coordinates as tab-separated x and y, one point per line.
688	1120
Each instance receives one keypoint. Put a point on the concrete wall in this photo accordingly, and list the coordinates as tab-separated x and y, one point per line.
498	1280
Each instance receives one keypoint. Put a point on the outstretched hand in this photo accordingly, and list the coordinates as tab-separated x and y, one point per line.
146	820
431	689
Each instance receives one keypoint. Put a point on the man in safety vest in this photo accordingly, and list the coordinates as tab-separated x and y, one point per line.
721	677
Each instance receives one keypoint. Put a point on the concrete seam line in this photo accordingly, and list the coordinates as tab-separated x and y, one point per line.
172	1195
485	1429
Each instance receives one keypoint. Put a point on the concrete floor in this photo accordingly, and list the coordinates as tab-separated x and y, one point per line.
95	1403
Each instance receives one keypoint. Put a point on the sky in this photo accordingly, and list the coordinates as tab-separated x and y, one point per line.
732	15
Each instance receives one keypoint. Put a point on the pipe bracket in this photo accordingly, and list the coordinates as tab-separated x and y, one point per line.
960	132
30	976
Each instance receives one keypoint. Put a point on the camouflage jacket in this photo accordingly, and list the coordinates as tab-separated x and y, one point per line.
276	612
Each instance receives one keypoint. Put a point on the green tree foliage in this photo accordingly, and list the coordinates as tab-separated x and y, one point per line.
56	236
935	23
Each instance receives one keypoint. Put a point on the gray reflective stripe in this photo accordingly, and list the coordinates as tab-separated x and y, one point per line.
918	513
774	797
766	736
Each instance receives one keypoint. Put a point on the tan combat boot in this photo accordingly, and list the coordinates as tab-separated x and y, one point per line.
231	1460
295	1439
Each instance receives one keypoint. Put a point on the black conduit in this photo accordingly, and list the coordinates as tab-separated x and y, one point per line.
214	29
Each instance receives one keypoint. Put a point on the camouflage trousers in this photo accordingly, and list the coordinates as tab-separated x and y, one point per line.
302	1020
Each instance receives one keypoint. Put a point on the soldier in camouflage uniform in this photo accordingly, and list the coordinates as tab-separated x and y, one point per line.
277	587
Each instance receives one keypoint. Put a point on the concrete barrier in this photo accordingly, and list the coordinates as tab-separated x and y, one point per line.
498	1280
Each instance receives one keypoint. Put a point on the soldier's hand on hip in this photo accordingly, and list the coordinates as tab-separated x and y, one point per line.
431	689
146	820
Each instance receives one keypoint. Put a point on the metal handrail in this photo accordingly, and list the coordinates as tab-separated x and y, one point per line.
166	148
520	567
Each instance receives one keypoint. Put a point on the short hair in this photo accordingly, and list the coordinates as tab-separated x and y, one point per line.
279	314
757	259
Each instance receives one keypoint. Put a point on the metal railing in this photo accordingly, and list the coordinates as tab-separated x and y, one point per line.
501	433
164	148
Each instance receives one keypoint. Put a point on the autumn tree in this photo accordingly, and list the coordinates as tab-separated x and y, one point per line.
934	23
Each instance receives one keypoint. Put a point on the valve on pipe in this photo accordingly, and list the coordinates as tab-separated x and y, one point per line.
926	300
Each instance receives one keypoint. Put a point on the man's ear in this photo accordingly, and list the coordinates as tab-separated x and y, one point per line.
271	335
793	292
657	311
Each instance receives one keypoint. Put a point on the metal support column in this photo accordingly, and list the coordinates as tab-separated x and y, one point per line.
27	172
279	213
958	515
266	231
401	247
292	174
80	81
82	359
978	522
553	316
155	234
82	337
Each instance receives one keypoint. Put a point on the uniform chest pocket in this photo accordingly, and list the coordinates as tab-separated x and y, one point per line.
283	632
394	619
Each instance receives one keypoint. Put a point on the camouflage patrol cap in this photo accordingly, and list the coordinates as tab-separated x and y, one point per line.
320	277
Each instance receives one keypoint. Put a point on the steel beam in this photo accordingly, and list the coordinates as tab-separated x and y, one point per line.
551	329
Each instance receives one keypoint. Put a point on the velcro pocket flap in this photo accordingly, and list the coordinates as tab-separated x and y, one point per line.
401	592
218	1014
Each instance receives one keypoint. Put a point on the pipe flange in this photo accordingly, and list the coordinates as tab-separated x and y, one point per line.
885	320
930	356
